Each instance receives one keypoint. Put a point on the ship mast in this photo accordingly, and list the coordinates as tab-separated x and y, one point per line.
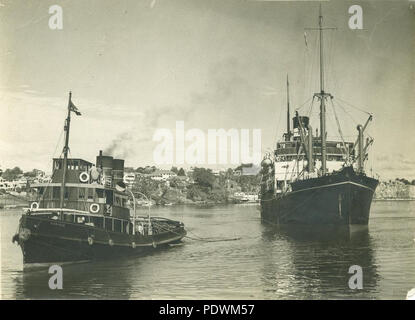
322	95
65	151
322	99
288	136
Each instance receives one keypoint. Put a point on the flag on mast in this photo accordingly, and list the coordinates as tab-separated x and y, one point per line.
305	40
73	108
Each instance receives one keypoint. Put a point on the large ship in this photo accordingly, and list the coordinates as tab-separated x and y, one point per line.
312	180
84	213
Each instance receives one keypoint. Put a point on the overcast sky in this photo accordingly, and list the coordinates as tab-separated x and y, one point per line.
135	66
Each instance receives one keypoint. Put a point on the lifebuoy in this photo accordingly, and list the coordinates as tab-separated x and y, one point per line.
84	177
111	243
94	173
154	245
34	206
94	208
133	244
90	241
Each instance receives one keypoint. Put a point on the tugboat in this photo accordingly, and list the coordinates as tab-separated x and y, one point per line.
84	214
310	180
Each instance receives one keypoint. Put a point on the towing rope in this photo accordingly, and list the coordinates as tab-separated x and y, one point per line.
197	238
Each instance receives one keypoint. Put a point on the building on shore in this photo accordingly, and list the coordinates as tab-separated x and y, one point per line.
395	189
129	179
161	175
13	185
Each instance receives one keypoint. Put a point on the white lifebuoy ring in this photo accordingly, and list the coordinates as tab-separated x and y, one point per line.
154	244
133	244
90	241
84	177
34	206
111	243
94	208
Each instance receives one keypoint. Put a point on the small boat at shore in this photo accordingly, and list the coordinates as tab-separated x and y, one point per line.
83	214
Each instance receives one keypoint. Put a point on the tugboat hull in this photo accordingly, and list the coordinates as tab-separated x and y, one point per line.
46	241
342	199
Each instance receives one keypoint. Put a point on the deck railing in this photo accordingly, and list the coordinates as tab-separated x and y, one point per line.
143	224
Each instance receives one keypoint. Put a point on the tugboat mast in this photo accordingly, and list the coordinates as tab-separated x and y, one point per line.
65	152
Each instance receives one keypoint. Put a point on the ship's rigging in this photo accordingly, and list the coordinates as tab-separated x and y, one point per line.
328	107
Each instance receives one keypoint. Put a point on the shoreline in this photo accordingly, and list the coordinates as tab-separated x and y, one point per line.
197	204
394	199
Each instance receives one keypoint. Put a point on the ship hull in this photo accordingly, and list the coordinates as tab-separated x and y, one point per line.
338	199
48	241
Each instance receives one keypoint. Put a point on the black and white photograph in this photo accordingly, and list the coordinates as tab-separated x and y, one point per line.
199	150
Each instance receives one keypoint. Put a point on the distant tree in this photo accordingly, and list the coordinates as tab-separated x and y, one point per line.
181	172
413	182
149	169
229	173
17	171
204	177
218	195
174	183
31	174
174	169
12	174
403	180
196	193
145	185
139	170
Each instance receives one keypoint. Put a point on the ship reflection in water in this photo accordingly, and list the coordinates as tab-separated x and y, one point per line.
267	262
320	258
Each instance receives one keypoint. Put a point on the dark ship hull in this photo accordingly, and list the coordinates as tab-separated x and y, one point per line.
339	199
44	240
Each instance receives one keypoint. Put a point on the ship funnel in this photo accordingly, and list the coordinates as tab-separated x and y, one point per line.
304	121
117	170
106	164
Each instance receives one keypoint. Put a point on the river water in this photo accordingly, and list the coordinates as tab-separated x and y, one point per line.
266	262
